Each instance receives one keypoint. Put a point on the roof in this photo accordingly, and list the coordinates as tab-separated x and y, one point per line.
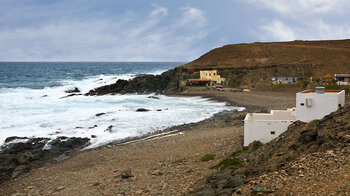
342	75
199	80
328	76
325	92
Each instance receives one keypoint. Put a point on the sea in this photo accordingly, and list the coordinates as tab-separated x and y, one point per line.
32	103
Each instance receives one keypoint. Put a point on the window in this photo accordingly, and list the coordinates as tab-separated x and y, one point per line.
210	74
214	74
273	132
206	74
302	104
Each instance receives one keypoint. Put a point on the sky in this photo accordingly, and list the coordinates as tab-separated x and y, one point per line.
158	30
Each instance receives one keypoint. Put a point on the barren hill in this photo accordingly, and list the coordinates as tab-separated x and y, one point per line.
252	64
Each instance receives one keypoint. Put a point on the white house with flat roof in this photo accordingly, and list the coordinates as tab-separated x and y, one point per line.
310	105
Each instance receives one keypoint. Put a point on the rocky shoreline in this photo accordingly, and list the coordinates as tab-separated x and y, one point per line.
20	154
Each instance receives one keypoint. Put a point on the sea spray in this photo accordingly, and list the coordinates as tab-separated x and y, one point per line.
47	112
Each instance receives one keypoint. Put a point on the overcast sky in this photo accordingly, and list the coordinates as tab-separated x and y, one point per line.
158	30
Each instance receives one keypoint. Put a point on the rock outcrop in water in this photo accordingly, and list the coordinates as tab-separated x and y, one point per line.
18	158
168	81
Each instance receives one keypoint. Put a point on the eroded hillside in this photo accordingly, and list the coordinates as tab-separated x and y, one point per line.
254	64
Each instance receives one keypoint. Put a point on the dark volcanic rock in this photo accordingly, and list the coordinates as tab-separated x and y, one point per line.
9	139
142	110
100	114
153	97
221	183
113	88
109	129
18	158
74	90
71	95
126	173
143	84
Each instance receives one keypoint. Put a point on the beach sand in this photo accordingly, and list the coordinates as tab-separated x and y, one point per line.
165	165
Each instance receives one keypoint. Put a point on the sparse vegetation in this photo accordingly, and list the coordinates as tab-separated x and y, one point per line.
239	152
233	83
312	124
228	164
332	87
304	83
208	157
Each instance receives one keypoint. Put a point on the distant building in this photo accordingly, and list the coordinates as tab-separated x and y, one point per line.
283	80
310	105
209	78
342	79
328	78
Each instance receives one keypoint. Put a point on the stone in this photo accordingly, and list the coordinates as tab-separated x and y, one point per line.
74	90
60	188
189	171
92	127
126	173
142	110
157	172
153	97
9	139
109	129
99	114
139	192
21	169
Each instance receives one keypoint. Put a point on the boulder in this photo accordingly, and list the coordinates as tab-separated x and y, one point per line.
74	90
142	110
126	173
99	114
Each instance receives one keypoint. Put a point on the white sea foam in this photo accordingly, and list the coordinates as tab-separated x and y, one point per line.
42	113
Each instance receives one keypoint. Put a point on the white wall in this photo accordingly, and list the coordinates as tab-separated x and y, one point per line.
342	83
322	105
255	130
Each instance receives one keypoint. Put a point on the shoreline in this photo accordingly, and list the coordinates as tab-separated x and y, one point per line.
148	136
155	151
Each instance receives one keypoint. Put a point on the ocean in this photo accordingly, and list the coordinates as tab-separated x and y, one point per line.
31	103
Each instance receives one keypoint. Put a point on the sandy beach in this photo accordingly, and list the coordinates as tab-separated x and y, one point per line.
165	165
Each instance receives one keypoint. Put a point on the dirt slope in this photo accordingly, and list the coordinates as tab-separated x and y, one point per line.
254	64
328	53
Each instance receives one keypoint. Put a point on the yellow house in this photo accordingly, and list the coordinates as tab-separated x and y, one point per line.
213	76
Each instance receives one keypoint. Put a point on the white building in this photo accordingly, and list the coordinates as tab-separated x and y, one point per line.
342	79
310	105
266	126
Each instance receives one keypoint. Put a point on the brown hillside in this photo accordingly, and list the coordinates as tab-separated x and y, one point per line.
249	64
